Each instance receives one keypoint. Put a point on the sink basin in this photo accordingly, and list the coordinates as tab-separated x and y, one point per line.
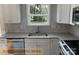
34	35
38	34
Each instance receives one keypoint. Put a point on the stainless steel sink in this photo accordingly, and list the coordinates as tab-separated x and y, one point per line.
37	35
40	36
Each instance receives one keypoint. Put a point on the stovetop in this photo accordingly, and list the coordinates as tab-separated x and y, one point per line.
74	45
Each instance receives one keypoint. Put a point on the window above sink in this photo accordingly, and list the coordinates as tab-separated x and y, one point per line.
38	14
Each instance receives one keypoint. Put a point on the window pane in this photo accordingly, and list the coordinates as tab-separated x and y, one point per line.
44	9
32	9
39	18
38	9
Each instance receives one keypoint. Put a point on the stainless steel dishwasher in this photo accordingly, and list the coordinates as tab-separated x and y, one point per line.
16	46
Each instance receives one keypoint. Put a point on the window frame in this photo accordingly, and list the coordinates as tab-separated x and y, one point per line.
47	23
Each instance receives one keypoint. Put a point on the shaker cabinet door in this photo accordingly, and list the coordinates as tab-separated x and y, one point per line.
11	13
55	47
3	46
63	13
37	46
2	25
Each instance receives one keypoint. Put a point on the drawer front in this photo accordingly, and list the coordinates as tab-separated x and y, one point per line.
37	41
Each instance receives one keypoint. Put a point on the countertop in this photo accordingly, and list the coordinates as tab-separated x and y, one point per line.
62	36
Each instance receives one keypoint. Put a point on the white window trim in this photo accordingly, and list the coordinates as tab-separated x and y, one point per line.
38	24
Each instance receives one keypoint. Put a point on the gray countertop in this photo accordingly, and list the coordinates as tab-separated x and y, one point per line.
62	36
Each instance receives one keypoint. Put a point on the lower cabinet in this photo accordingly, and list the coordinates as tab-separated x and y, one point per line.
16	46
41	47
33	46
3	46
37	46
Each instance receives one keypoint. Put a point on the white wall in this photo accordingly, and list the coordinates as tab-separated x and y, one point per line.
22	27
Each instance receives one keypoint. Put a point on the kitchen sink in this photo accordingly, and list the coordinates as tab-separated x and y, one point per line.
40	36
35	35
44	34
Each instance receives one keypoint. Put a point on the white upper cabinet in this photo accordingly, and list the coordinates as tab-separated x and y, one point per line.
2	26
11	13
63	13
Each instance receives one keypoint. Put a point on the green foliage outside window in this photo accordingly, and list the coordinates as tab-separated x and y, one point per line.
38	19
